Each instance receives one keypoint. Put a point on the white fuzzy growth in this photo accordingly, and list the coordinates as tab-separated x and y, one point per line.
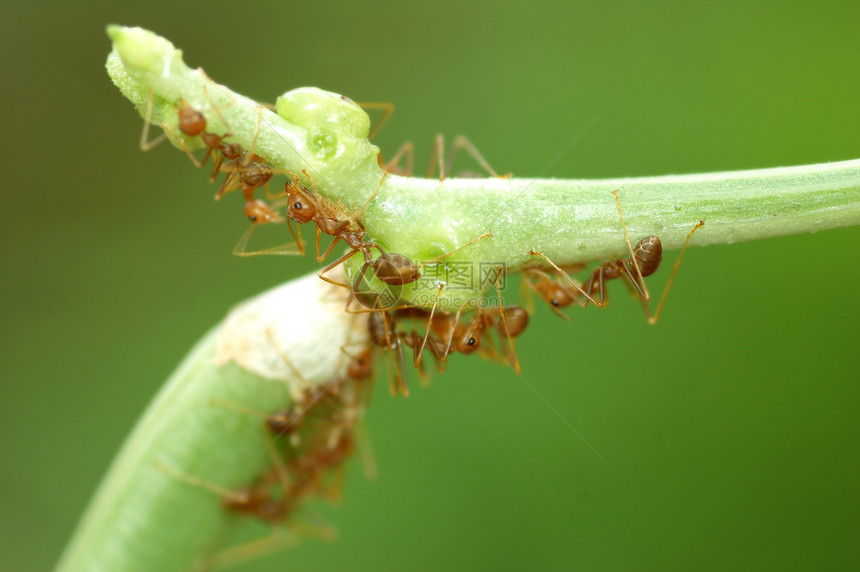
298	333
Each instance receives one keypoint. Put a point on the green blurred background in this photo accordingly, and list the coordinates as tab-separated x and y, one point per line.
729	430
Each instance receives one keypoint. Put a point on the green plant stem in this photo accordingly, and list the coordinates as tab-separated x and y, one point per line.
144	517
570	221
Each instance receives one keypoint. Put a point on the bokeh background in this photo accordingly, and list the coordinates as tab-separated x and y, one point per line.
729	430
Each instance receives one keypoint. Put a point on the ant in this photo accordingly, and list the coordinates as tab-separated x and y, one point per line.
552	290
192	123
381	328
383	334
321	430
508	322
306	205
643	261
246	169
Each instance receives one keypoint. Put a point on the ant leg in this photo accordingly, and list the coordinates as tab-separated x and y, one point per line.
386	108
462	142
282	250
653	319
233	180
406	150
569	279
437	155
278	539
269	194
359	279
331	246
456	250
639	280
256	131
428	326
343	258
217	108
317	245
527	293
217	162
179	141
454	323
600	276
398	367
360	212
402	382
145	143
299	242
365	450
286	423
224	493
511	350
271	335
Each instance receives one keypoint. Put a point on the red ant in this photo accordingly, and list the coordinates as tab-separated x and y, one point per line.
246	169
643	261
306	205
192	123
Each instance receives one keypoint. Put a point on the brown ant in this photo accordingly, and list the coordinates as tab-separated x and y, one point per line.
306	205
508	322
383	334
246	169
381	328
552	290
643	261
192	123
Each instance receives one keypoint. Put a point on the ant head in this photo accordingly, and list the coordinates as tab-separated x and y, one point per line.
469	339
259	212
301	207
393	268
191	121
362	366
557	296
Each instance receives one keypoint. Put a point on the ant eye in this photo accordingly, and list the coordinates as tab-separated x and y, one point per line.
554	302
252	218
471	341
297	205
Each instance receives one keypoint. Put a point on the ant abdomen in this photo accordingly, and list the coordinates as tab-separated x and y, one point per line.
285	422
516	319
648	253
191	121
395	269
256	174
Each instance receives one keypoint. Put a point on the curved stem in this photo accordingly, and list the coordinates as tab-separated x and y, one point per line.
143	516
